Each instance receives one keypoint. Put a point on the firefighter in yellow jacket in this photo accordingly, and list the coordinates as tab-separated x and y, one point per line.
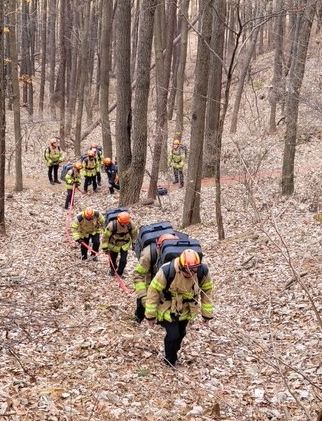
53	157
144	271
118	237
172	299
87	227
176	161
72	180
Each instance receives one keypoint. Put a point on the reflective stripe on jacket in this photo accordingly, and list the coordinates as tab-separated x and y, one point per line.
90	167
120	238
53	156
82	228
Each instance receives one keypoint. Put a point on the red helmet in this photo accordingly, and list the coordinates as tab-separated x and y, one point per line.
123	218
189	261
89	213
164	237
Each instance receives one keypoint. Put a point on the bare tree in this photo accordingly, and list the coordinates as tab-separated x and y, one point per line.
52	54
294	83
163	67
43	56
16	94
2	124
191	213
123	86
105	54
133	178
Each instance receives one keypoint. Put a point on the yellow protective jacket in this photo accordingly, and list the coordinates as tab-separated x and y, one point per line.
181	301
90	167
53	156
82	228
176	158
117	236
72	177
142	272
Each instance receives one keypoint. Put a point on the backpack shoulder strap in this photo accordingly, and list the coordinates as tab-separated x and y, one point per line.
202	272
114	226
153	257
169	274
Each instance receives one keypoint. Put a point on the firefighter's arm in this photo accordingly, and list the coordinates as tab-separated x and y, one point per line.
206	292
140	273
155	289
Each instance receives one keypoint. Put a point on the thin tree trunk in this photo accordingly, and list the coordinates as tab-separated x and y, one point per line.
214	87
2	124
184	7
61	78
135	38
83	77
243	73
278	85
294	84
133	179
105	75
43	57
52	55
16	95
191	213
163	77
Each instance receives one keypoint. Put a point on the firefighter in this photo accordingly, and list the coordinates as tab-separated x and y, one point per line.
90	170
144	272
86	228
72	178
99	158
112	174
119	235
172	299
176	161
53	157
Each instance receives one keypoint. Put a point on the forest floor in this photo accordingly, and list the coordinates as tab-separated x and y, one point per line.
70	348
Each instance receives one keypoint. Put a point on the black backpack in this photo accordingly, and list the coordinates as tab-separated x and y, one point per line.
148	234
173	248
170	273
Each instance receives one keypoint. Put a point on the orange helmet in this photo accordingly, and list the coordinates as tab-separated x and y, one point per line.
107	161
78	166
189	261
89	213
164	237
123	218
176	142
53	141
91	153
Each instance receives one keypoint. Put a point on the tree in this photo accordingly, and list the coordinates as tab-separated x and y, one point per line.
16	94
302	33
133	178
52	55
105	54
123	86
191	213
163	67
2	124
43	56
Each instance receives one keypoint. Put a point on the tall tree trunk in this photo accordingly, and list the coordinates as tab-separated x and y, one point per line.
214	87
16	94
191	213
135	28
52	55
184	7
278	85
133	179
163	76
105	75
2	124
61	77
123	87
43	56
294	84
83	77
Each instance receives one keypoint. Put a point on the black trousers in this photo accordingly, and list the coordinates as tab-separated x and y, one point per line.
88	181
69	194
51	169
139	311
119	268
178	176
95	239
176	331
113	186
98	178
